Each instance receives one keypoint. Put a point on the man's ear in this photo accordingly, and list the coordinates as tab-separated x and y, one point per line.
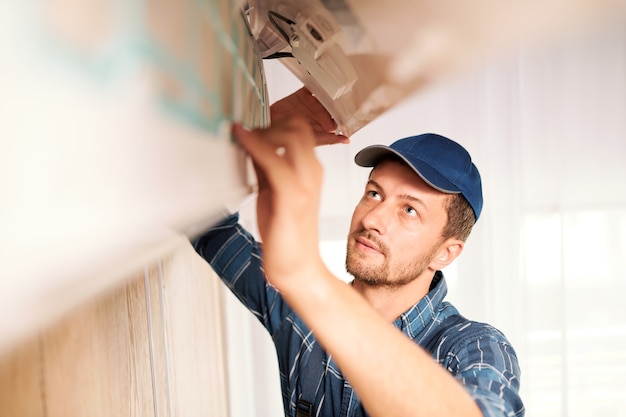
448	252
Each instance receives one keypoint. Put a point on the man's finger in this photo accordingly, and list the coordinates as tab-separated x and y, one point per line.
296	140
331	139
283	153
268	164
292	140
304	104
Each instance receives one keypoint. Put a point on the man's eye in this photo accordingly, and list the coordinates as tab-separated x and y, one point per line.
373	194
410	211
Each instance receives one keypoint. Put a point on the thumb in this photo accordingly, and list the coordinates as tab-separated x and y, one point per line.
247	140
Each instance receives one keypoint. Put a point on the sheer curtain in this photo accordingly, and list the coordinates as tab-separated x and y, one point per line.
547	129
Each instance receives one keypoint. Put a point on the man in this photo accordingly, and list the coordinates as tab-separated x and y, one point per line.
365	348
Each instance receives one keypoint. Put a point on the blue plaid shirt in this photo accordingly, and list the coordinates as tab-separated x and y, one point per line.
476	354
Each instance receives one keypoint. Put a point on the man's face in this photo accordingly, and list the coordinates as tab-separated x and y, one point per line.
396	227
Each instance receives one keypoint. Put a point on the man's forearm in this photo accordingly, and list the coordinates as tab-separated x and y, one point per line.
390	373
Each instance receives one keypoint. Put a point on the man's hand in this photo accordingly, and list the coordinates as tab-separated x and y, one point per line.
304	104
290	180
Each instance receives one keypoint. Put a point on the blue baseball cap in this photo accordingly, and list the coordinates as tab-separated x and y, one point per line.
442	163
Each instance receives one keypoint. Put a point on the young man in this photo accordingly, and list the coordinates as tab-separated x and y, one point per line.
386	344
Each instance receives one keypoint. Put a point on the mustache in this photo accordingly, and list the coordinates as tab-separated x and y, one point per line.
372	238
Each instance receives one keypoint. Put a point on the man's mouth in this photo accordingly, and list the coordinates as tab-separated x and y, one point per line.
367	245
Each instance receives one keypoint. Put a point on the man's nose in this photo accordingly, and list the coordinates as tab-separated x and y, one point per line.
377	218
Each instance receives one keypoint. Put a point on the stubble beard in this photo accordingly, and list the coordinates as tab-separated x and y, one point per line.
380	275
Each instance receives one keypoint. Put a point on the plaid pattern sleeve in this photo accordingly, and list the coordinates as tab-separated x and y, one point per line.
483	361
235	256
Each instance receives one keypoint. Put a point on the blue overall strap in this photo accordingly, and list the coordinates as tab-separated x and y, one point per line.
312	378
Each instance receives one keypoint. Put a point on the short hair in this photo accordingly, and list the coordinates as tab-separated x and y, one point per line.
461	218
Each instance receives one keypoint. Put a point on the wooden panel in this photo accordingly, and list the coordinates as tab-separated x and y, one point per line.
194	327
21	374
150	348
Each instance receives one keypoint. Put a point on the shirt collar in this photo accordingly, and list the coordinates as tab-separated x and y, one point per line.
413	321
